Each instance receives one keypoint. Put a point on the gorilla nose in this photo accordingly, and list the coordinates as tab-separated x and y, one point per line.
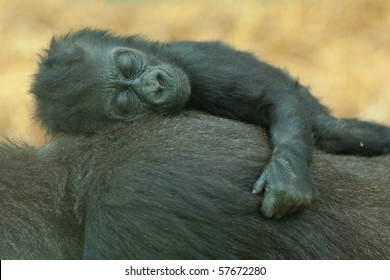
154	87
153	81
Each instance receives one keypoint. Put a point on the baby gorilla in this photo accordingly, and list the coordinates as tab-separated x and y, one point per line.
90	78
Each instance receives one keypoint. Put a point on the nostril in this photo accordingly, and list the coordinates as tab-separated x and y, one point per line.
159	89
160	79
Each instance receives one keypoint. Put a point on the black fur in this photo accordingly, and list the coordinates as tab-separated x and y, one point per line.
90	78
177	188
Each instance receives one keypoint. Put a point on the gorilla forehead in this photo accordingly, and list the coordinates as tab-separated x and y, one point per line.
88	37
101	39
76	62
69	72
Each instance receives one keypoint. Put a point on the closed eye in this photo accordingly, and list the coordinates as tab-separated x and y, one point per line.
128	64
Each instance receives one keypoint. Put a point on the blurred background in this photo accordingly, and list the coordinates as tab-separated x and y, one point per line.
341	49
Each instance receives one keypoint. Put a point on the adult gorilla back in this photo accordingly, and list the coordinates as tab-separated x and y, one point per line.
179	188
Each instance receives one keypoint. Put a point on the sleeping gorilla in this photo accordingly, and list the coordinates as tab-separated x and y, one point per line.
90	78
177	188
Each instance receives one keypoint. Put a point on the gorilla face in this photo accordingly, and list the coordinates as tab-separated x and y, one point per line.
141	80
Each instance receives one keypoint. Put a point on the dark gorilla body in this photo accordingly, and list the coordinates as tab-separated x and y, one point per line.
89	79
177	188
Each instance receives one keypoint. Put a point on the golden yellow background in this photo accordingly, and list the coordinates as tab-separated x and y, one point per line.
341	49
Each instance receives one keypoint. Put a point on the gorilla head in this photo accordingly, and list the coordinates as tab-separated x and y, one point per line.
90	78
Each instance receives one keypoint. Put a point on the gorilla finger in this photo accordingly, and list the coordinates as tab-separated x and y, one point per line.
282	212
306	203
293	209
268	207
259	185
